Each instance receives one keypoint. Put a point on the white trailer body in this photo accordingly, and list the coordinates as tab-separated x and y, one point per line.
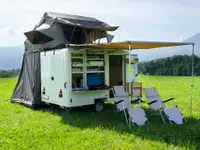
65	77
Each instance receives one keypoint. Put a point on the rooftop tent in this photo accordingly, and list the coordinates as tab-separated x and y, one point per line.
65	28
54	31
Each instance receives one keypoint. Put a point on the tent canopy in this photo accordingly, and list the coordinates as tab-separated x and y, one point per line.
60	28
74	20
133	45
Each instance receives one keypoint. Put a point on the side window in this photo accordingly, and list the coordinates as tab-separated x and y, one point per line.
74	35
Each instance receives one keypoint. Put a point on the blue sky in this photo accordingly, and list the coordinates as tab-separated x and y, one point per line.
170	20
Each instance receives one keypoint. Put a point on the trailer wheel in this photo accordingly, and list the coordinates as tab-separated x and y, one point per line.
98	106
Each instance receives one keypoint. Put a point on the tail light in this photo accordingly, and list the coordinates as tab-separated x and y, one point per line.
60	93
43	90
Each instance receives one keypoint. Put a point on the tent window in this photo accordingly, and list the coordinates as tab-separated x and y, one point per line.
96	36
74	35
36	37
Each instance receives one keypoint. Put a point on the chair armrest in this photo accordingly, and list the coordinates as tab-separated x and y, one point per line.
168	100
119	102
137	100
152	102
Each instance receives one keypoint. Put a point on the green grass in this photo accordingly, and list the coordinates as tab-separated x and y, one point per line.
50	128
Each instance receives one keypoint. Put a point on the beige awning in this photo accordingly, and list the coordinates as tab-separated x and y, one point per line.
133	44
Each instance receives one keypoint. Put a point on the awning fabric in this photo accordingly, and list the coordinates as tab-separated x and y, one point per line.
134	45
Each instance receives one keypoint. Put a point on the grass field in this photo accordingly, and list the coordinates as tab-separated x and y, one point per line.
50	128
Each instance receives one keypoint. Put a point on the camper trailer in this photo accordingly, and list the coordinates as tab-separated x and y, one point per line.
71	79
71	61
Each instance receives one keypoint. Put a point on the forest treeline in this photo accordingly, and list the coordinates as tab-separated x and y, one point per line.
9	73
177	65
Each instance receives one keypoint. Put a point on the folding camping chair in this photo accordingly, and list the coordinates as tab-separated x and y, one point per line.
137	115
154	100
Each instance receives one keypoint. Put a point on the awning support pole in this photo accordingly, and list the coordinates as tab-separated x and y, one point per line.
192	82
129	84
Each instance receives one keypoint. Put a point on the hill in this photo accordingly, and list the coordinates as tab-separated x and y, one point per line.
168	52
11	57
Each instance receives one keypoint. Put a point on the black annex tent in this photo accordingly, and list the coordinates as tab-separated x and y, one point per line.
55	30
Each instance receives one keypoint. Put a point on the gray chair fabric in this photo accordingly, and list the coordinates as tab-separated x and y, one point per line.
156	103
137	115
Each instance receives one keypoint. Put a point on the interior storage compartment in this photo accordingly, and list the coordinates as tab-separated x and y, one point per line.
77	63
95	81
88	71
95	71
77	72
77	82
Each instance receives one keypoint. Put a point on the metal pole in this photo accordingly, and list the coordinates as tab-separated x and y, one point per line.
129	82
192	82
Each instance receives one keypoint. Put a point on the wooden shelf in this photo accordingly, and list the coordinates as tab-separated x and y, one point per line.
77	66
94	58
78	72
95	71
77	57
95	65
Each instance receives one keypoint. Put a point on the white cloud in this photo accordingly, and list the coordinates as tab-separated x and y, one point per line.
9	30
11	37
182	38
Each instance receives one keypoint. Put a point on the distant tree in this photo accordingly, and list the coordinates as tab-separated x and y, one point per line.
172	66
15	72
197	69
189	69
178	71
5	74
184	71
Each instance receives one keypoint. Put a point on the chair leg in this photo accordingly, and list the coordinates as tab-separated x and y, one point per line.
140	103
125	113
67	110
170	121
185	119
125	116
162	116
147	119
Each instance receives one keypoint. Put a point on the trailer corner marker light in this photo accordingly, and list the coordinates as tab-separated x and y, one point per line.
43	90
60	93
